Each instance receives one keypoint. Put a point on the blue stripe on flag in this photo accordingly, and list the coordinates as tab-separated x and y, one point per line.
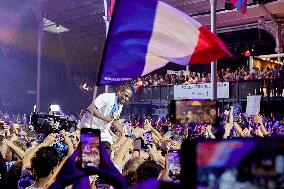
126	47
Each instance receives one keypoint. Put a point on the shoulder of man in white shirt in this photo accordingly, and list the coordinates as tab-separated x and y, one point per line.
105	98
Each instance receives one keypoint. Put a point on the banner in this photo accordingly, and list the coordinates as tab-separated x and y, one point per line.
253	104
200	91
172	72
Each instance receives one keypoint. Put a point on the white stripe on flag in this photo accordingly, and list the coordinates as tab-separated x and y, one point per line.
174	38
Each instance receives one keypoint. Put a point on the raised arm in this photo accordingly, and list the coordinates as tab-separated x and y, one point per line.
20	153
28	156
258	119
118	158
95	112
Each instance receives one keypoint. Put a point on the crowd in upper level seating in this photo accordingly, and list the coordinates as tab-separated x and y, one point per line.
241	73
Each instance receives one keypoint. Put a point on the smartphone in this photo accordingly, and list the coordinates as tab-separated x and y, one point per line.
246	159
148	138
137	144
237	107
60	146
127	127
193	111
90	147
100	184
174	163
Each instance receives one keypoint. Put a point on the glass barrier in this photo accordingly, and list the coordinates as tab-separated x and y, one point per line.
238	90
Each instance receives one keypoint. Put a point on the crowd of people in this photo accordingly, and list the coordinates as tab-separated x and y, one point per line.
46	152
240	74
19	119
136	159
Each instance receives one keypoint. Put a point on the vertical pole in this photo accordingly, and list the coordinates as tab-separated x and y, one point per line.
214	63
107	89
107	21
39	45
106	17
279	42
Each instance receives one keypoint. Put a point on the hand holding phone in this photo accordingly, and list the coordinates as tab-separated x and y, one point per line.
137	144
148	138
174	163
90	148
236	111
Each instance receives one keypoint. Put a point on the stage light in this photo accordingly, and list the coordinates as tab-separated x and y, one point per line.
247	53
85	87
54	108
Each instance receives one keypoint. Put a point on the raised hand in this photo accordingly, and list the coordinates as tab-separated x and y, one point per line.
50	138
138	132
257	119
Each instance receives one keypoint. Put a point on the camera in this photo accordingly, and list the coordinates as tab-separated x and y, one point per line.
44	123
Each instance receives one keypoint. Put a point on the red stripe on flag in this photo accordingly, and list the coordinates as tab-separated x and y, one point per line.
205	153
209	48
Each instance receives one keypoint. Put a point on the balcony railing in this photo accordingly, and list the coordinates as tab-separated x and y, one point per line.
237	90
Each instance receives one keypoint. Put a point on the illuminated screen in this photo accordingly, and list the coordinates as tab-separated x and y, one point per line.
240	164
193	111
90	149
174	163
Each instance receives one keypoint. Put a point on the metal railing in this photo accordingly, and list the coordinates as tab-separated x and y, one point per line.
268	88
238	90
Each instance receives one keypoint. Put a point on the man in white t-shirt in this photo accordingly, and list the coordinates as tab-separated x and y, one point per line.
104	112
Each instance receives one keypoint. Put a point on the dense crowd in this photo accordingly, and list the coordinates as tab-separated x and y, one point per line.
19	119
240	74
224	75
24	149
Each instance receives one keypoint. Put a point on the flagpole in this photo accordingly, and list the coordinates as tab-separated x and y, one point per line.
39	45
107	21
214	63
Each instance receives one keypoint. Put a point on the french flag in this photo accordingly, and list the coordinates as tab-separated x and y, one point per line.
145	35
223	153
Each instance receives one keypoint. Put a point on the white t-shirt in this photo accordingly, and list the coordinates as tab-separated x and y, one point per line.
107	104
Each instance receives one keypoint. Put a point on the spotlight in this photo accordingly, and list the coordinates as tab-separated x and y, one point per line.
85	87
54	108
57	26
247	53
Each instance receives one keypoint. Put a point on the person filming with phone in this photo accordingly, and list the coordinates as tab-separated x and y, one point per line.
104	112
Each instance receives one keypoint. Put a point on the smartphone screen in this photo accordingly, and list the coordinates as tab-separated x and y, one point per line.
174	164
60	146
137	144
236	110
148	138
127	127
193	111
100	184
234	162
90	151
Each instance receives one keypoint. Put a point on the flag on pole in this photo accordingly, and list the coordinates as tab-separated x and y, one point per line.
241	5
146	35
